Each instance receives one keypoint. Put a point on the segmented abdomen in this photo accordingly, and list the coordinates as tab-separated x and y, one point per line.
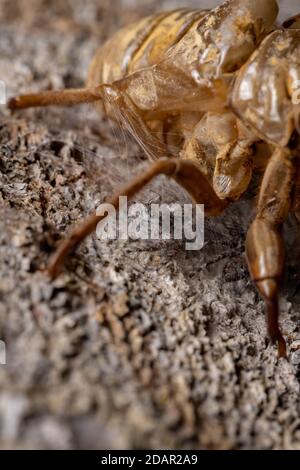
140	44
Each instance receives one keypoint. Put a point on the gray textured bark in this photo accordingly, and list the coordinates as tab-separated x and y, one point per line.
136	344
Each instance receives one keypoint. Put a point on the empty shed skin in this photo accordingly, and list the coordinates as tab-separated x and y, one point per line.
141	44
222	80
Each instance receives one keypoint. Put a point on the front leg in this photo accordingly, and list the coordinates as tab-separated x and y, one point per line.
224	153
264	243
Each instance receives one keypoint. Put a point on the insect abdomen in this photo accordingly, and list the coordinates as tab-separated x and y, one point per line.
140	44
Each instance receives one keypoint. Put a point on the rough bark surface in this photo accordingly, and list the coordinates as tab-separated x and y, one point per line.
136	344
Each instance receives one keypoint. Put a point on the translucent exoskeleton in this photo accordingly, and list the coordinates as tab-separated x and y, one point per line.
224	81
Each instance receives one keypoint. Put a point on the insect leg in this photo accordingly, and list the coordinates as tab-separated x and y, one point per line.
124	108
186	173
66	97
220	147
264	243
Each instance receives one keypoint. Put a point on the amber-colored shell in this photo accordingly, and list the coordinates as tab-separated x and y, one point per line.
264	89
207	93
143	43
